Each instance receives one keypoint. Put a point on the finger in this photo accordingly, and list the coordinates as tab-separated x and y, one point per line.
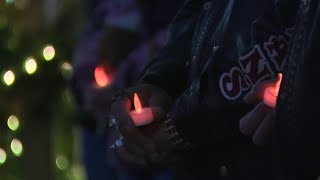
250	122
120	112
263	134
128	129
257	93
253	97
121	106
129	158
117	108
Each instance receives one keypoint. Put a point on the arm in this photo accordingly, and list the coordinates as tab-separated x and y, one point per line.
164	75
168	70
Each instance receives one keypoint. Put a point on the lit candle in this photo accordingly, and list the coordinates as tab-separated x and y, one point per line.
141	116
101	77
271	93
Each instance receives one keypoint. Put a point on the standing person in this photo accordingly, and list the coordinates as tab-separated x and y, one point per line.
294	122
120	38
218	52
87	57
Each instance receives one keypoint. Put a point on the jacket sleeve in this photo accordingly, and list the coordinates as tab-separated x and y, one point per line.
168	70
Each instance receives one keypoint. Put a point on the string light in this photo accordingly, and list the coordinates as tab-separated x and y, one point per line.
3	156
8	78
13	123
16	147
30	65
48	52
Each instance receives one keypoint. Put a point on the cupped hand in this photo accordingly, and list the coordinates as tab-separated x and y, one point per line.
259	121
149	144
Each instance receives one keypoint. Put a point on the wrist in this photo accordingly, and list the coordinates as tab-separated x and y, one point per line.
176	139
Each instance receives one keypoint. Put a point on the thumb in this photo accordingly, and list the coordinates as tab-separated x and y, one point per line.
253	97
257	93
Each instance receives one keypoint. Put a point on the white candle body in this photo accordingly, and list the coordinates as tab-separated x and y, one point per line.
142	117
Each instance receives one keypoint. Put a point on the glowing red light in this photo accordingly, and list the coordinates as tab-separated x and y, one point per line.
137	103
140	116
271	93
101	77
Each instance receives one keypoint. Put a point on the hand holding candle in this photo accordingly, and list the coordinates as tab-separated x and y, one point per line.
141	116
139	123
271	93
259	121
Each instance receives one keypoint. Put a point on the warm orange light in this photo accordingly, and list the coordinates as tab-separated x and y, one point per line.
140	116
278	84
271	93
137	103
101	77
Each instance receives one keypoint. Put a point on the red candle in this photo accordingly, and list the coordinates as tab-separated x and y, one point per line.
141	116
271	93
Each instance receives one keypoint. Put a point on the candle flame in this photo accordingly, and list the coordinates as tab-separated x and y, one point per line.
101	77
278	83
137	103
271	93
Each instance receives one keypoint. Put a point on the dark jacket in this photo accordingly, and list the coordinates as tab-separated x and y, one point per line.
217	52
297	125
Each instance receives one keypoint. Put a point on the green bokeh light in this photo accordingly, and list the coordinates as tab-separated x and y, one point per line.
3	156
8	78
48	52
9	1
13	123
16	147
31	65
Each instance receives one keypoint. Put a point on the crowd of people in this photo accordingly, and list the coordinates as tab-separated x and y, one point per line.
196	74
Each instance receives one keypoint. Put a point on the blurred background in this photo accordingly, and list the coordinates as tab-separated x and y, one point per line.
40	134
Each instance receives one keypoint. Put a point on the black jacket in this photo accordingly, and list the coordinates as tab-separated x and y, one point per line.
297	126
217	52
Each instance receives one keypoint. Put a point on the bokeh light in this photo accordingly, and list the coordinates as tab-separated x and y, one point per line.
9	1
76	171
62	162
16	147
31	65
66	69
48	52
8	78
3	156
13	123
101	77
